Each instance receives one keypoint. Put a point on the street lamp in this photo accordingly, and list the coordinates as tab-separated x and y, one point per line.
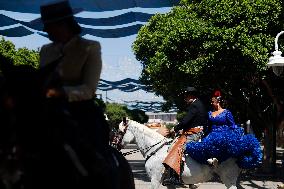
277	61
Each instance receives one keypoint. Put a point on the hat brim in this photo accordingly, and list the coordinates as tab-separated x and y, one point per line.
187	92
38	24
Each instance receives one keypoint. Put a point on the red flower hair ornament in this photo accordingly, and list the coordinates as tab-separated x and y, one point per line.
217	93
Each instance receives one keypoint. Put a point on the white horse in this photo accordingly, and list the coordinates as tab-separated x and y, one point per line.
154	146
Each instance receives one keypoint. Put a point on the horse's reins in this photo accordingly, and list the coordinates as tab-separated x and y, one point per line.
147	149
152	153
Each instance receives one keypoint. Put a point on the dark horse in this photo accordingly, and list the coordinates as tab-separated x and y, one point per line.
42	146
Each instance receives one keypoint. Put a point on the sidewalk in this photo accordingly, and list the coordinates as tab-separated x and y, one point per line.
142	181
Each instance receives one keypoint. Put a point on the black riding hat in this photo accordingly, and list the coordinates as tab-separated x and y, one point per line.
189	91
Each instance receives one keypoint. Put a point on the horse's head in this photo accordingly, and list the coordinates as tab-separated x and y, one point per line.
21	97
128	137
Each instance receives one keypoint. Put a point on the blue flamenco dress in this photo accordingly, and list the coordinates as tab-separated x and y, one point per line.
226	140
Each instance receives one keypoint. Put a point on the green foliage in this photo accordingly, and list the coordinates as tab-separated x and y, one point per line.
115	113
210	44
100	103
181	115
19	56
170	126
138	115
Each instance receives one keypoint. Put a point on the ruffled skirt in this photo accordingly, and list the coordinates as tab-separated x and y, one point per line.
227	142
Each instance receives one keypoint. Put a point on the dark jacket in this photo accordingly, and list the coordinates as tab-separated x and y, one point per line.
196	116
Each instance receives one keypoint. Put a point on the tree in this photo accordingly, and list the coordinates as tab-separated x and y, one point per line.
19	56
138	115
115	113
213	44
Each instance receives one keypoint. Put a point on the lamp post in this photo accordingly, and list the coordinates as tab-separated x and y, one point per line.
277	61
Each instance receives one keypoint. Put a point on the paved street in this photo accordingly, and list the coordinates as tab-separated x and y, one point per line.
246	182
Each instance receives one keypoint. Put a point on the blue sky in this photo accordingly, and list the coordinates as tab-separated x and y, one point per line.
118	59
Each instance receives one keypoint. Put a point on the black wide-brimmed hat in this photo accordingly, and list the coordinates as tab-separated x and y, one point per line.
189	91
56	11
53	12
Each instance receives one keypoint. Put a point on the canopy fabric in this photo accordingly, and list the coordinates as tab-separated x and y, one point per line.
125	85
125	18
108	33
6	21
152	106
18	31
121	19
88	5
86	23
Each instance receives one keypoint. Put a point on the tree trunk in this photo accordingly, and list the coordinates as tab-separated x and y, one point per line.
269	161
269	151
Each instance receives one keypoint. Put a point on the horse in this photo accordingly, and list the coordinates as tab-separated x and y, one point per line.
154	147
42	146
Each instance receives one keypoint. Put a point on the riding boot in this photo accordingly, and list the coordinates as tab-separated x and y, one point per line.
166	177
171	178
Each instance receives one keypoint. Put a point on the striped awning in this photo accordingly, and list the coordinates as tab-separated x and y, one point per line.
125	24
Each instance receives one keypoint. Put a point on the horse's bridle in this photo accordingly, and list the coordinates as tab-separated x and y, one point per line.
152	153
148	148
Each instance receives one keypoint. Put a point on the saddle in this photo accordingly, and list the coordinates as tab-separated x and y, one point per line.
175	154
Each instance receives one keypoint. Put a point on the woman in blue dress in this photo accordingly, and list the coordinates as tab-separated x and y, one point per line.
225	140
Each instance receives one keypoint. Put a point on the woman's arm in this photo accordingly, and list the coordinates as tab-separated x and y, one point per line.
230	118
91	75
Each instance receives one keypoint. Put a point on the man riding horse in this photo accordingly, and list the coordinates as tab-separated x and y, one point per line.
192	127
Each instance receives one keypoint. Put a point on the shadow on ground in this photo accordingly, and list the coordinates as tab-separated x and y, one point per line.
138	170
247	179
254	179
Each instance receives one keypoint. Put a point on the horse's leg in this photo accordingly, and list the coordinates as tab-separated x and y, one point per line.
229	172
233	187
155	183
193	186
154	169
230	180
171	187
155	175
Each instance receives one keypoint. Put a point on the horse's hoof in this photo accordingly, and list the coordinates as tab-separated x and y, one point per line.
213	162
193	186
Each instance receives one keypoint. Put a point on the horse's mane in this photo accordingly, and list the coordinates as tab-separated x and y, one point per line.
146	130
